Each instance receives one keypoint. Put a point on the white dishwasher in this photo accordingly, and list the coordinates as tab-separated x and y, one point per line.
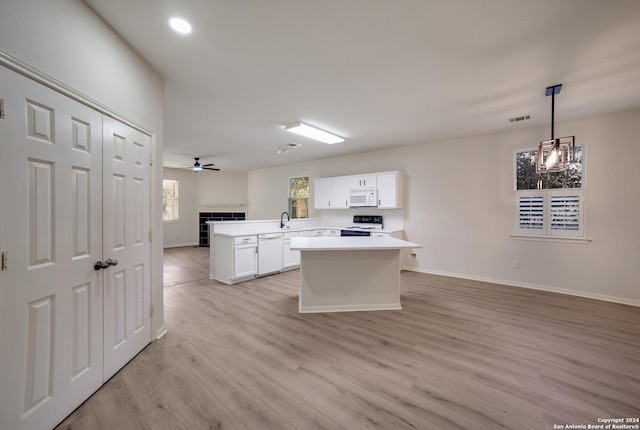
269	253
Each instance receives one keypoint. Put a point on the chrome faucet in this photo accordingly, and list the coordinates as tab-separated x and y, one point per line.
281	215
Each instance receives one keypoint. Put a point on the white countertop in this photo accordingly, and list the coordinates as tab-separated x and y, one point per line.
285	230
333	243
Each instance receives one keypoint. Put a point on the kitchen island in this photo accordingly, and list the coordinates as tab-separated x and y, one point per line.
339	274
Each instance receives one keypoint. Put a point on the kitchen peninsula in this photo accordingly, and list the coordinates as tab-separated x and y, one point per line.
339	274
243	250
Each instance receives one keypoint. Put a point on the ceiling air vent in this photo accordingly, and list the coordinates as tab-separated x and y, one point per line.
520	118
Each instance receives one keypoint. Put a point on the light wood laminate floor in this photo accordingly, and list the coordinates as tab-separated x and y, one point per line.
460	355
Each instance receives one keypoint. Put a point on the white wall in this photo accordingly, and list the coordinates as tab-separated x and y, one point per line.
224	190
66	40
460	204
205	191
184	231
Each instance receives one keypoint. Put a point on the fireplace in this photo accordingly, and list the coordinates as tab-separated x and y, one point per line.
215	216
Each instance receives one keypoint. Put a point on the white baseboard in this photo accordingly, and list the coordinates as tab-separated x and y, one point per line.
349	308
603	297
180	245
160	332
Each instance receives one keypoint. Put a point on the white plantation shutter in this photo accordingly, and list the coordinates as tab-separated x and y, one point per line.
565	213
550	213
531	213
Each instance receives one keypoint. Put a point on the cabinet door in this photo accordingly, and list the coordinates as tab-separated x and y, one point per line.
322	193
363	181
340	193
244	261
388	195
289	258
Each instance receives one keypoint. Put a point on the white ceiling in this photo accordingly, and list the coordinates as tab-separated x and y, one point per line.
380	73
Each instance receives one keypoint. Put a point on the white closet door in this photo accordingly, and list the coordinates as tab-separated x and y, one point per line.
127	291
51	306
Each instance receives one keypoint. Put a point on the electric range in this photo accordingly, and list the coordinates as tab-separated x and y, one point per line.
363	225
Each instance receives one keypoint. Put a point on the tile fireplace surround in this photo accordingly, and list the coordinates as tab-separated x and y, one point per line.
203	235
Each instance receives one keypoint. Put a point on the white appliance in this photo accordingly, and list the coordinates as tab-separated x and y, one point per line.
270	248
363	197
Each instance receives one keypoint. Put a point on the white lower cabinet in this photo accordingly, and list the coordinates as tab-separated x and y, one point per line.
235	258
290	259
244	261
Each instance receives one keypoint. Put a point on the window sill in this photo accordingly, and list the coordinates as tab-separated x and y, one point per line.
563	239
170	221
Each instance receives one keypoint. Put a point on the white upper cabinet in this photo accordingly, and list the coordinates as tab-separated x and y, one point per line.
333	193
363	181
340	192
322	193
390	190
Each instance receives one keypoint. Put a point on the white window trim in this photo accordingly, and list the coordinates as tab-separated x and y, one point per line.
550	238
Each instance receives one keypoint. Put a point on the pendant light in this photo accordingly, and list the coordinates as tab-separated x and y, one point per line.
556	154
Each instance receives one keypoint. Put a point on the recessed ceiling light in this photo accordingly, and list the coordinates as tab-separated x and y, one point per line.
180	25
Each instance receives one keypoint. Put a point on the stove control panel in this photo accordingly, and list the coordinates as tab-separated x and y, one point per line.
367	219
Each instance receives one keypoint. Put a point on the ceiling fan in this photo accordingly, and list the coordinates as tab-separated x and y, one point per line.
197	166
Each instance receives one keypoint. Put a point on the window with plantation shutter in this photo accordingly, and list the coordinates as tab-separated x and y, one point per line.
549	206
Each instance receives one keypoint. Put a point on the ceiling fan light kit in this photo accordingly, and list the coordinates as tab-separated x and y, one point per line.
198	167
556	154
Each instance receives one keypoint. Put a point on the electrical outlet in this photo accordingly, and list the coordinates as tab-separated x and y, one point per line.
516	264
413	256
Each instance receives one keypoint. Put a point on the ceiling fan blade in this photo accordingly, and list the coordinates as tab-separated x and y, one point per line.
196	167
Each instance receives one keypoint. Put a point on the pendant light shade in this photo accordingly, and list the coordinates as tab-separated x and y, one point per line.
556	154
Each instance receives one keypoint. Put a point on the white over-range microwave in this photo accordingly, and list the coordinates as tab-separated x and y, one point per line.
363	197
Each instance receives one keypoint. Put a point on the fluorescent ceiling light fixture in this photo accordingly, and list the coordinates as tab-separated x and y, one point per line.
313	133
180	25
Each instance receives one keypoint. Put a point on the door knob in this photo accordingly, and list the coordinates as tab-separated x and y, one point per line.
105	264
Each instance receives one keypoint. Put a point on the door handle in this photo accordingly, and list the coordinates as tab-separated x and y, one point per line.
105	264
